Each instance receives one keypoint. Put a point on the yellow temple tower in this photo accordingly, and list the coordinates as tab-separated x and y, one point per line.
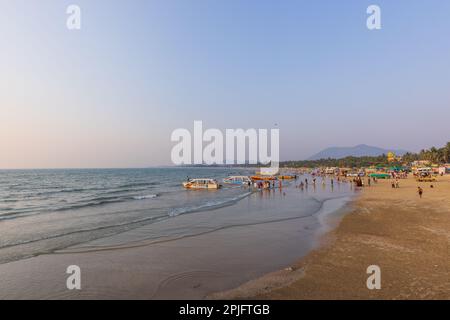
391	157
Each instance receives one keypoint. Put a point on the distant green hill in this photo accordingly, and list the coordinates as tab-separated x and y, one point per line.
361	150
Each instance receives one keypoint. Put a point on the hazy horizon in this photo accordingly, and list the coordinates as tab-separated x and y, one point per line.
109	95
181	166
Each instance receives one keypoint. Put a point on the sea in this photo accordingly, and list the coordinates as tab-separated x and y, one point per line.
43	211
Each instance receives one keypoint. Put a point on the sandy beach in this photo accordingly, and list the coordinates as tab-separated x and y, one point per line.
407	237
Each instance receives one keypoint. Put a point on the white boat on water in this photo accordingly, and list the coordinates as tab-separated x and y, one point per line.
204	183
238	180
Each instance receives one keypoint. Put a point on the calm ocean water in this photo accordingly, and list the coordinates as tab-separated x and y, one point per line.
45	210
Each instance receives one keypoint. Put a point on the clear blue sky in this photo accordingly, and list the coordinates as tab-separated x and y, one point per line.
110	94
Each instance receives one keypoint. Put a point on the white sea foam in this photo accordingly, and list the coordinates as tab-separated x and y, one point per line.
149	196
208	205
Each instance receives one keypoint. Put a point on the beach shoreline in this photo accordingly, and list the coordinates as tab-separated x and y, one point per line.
319	256
407	237
264	232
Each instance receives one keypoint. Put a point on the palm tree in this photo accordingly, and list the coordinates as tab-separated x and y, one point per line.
422	154
441	155
434	155
447	152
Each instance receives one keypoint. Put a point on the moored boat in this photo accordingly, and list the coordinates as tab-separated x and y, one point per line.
286	177
264	178
203	183
238	180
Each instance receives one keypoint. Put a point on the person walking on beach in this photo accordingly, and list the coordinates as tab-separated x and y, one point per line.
420	191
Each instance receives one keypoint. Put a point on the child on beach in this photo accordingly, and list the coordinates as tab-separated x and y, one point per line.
420	191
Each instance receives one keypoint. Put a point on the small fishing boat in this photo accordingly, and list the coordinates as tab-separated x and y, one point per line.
264	178
204	183
238	180
286	177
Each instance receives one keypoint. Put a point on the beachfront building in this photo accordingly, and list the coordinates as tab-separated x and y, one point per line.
421	163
